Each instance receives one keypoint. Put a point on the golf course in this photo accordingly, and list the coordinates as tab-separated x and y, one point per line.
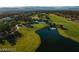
42	36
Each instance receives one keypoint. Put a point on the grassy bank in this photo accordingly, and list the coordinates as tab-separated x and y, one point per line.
29	41
72	27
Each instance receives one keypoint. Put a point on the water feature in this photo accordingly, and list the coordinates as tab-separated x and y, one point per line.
51	40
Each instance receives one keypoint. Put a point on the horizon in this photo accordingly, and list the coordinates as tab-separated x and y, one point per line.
39	6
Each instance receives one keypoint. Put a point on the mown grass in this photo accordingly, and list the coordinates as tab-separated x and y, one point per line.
39	26
29	41
72	27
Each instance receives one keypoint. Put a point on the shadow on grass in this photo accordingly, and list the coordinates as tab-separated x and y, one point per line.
51	41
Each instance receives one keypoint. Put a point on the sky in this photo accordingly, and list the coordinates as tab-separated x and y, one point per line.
20	3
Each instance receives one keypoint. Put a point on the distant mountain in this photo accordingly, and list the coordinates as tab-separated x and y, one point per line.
31	8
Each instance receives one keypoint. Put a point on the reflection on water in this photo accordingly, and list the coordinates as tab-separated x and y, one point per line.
52	41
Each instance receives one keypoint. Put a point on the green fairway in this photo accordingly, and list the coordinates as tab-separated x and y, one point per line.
29	41
72	31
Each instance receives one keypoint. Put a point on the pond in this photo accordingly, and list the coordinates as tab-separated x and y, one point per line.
51	40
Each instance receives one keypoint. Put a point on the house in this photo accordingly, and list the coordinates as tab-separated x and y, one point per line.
17	26
40	21
6	19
